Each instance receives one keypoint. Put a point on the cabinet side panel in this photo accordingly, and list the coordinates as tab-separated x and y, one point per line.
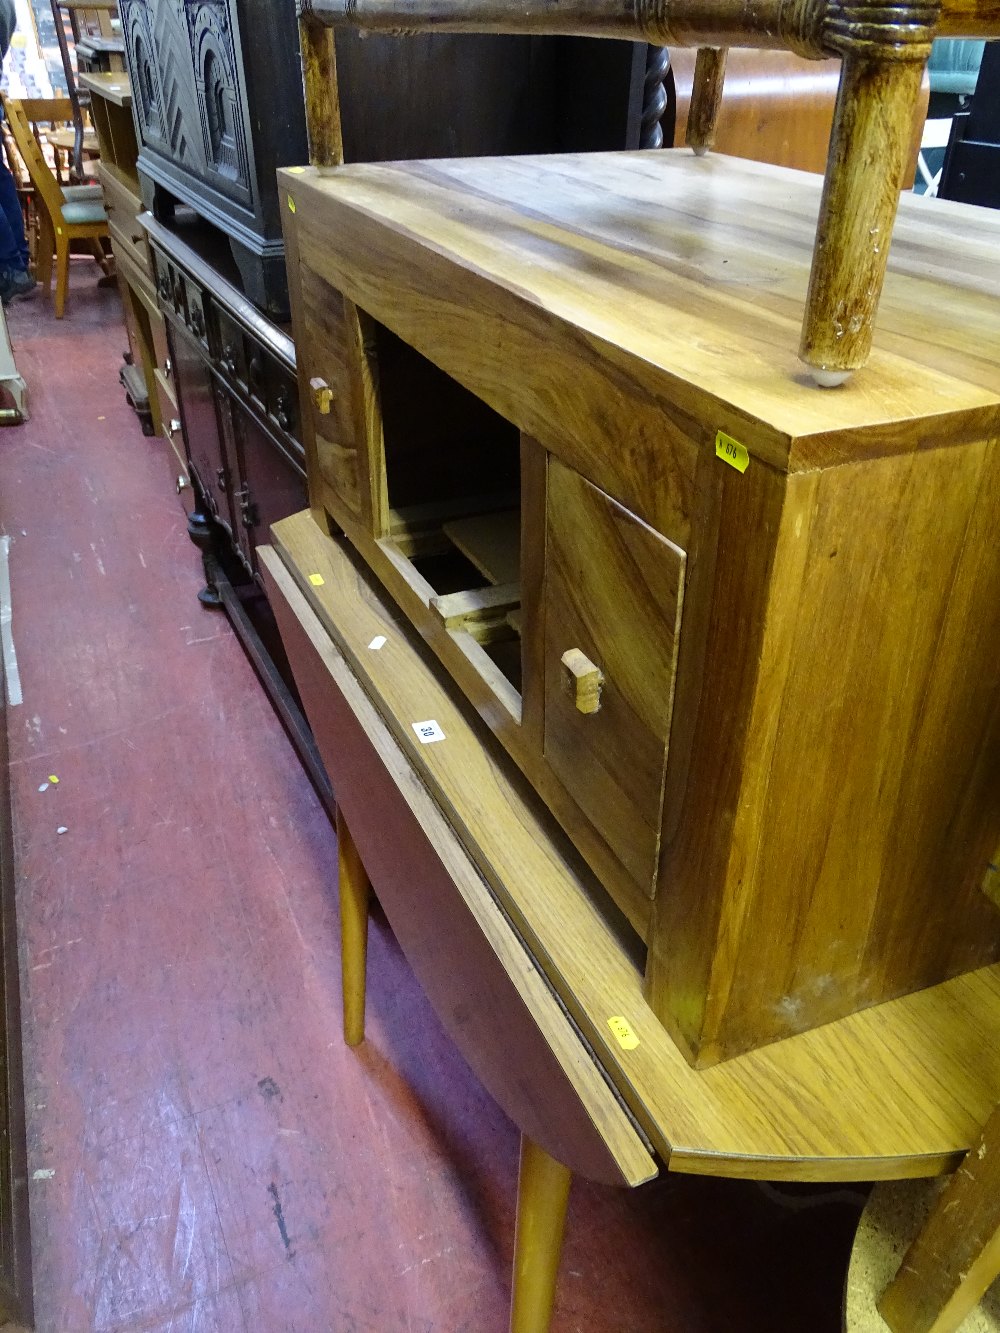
735	527
882	802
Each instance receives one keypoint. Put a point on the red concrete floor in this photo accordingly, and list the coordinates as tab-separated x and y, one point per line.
205	1153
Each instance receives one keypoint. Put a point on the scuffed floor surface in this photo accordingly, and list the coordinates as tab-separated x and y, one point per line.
205	1153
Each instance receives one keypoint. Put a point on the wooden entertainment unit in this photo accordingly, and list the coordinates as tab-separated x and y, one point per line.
739	634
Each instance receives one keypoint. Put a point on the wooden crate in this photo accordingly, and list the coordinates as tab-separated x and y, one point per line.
738	632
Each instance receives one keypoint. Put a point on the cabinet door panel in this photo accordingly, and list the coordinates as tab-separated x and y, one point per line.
202	432
271	485
613	592
323	356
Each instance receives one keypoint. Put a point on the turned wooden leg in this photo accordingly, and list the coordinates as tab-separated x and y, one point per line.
319	75
956	1254
869	147
542	1197
706	98
355	891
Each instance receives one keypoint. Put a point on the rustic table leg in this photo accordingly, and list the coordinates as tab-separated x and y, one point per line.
869	146
542	1197
956	1254
355	891
706	98
319	75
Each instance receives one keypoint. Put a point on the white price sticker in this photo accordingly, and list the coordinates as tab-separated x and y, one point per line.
428	731
378	642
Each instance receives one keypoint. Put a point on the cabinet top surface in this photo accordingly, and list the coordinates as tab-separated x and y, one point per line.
115	87
691	270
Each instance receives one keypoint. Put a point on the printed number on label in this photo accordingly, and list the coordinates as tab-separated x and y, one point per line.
731	451
428	731
627	1039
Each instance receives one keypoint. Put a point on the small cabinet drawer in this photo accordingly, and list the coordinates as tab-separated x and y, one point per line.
613	589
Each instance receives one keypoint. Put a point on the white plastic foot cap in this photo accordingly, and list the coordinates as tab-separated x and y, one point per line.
829	379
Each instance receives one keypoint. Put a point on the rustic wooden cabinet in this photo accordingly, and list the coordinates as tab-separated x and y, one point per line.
739	633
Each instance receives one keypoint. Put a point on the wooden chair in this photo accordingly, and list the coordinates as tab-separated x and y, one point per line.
67	213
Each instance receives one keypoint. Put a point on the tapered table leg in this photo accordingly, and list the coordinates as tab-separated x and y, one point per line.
542	1197
355	891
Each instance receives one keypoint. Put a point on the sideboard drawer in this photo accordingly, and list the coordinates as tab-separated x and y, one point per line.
613	592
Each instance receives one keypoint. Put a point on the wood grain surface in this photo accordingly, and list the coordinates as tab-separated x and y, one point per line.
872	124
847	742
706	98
483	984
613	591
896	1090
827	806
491	541
956	1253
673	287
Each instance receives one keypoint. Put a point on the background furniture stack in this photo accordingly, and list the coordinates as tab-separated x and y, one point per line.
110	101
64	213
208	149
96	48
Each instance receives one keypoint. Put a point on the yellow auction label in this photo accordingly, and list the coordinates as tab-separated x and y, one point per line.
291	204
627	1039
731	451
316	580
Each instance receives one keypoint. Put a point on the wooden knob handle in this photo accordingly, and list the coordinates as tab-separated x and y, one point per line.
585	679
322	396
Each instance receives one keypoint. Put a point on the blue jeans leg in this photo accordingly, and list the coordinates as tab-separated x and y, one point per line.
13	246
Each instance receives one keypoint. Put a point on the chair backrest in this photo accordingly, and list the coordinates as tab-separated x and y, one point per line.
42	176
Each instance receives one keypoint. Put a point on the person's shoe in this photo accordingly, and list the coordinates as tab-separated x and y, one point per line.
15	283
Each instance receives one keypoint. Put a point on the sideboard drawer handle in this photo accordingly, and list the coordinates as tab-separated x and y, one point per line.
584	678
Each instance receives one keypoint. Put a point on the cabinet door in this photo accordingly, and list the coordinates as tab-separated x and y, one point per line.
202	433
612	602
271	485
328	424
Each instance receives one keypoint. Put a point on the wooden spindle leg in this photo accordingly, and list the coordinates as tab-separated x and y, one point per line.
319	74
706	98
542	1198
956	1254
869	146
355	891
